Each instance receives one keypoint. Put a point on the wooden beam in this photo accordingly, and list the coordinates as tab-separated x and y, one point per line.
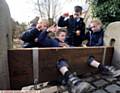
21	65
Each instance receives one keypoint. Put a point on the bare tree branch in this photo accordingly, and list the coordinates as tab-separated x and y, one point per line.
48	9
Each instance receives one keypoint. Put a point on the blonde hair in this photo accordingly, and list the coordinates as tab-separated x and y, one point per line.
97	22
60	30
45	21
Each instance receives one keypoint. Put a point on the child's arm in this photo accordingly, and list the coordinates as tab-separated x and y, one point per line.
45	40
29	35
100	40
62	22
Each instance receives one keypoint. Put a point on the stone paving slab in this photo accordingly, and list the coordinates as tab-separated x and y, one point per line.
100	91
113	88
118	82
99	84
110	79
89	79
92	88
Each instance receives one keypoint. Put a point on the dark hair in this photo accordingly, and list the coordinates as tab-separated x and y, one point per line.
78	9
60	30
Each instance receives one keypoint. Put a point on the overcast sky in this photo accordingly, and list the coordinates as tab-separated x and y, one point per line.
24	11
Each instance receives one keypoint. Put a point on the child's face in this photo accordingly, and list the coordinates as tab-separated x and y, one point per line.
42	26
62	36
77	15
95	27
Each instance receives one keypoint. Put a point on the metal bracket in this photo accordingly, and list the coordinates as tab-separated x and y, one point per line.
35	54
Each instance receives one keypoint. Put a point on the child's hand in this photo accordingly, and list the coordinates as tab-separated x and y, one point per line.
84	43
53	28
41	26
65	14
36	40
78	32
63	45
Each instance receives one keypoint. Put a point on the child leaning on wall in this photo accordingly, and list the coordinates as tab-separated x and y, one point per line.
95	34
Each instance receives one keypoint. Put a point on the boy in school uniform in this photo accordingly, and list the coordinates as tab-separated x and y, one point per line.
30	36
95	34
58	41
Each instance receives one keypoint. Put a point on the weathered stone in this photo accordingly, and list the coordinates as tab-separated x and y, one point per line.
86	75
118	82
100	83
49	90
5	43
92	88
3	84
110	79
113	88
89	79
99	91
97	86
97	76
112	33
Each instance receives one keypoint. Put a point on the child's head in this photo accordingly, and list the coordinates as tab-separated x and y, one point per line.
61	34
95	25
77	10
42	24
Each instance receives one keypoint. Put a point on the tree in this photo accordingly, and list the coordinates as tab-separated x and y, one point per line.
17	29
106	10
48	9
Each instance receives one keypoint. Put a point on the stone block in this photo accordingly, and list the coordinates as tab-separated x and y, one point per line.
113	88
100	83
99	91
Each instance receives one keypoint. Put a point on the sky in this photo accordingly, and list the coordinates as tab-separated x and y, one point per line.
24	10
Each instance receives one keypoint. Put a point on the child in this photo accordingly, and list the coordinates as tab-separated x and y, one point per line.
58	41
95	34
30	36
75	26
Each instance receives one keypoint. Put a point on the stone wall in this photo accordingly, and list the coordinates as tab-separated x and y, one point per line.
112	33
5	43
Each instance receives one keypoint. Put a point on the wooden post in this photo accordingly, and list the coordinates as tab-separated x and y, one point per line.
5	43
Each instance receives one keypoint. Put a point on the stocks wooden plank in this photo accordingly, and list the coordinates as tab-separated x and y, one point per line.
21	65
